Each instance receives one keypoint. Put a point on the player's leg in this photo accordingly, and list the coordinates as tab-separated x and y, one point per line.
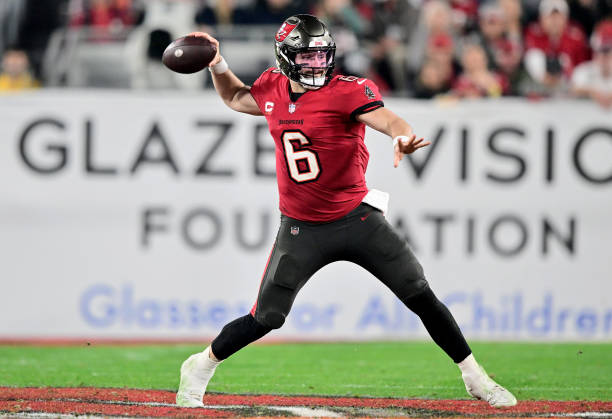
377	248
198	369
381	251
293	260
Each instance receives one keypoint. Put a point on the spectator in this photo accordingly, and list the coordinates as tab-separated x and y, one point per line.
435	20
503	52
593	79
103	13
392	21
477	80
436	75
431	81
514	19
553	48
16	72
441	52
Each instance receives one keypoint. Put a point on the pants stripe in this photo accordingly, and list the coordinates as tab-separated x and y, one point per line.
261	280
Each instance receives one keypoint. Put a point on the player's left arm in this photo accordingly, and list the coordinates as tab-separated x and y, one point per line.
385	121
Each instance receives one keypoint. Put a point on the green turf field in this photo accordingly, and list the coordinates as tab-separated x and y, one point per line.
572	371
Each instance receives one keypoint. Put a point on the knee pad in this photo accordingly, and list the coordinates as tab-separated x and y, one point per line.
278	291
271	319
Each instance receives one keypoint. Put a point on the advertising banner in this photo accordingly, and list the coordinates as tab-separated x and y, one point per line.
151	216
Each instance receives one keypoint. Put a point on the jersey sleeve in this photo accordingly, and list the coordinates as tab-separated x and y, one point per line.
362	96
260	87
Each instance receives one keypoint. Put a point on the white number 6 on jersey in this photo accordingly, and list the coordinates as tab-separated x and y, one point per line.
293	155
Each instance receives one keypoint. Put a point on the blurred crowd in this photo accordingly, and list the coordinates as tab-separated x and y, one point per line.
410	48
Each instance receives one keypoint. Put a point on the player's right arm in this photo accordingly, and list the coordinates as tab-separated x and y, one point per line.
232	90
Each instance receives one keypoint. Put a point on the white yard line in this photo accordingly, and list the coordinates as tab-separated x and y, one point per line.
294	410
306	411
300	411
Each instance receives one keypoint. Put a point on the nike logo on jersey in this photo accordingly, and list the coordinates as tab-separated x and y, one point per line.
361	81
365	216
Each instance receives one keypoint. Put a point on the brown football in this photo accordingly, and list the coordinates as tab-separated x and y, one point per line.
189	54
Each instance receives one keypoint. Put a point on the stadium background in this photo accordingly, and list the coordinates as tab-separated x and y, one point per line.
134	205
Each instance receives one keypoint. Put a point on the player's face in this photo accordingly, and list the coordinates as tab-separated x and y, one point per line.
317	60
314	67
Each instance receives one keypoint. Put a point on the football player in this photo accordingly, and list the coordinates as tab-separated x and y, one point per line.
328	214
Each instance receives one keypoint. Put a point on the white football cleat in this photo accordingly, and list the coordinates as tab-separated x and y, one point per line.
481	386
196	372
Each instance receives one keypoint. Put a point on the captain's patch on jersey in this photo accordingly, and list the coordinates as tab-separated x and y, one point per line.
369	93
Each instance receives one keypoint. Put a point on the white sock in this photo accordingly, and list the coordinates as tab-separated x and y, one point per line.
469	365
207	363
200	374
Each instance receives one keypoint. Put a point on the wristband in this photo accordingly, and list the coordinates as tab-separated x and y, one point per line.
219	68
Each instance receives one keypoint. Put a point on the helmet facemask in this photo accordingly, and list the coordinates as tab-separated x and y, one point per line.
305	73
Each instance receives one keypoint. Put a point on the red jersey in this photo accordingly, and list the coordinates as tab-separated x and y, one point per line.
321	158
572	48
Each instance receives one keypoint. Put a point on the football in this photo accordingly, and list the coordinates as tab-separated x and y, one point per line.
189	54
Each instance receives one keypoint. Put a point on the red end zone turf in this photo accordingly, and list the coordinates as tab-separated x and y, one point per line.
156	403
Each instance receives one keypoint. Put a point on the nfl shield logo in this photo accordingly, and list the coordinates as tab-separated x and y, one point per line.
291	107
295	230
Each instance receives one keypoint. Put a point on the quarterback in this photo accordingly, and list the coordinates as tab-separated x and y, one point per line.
318	121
